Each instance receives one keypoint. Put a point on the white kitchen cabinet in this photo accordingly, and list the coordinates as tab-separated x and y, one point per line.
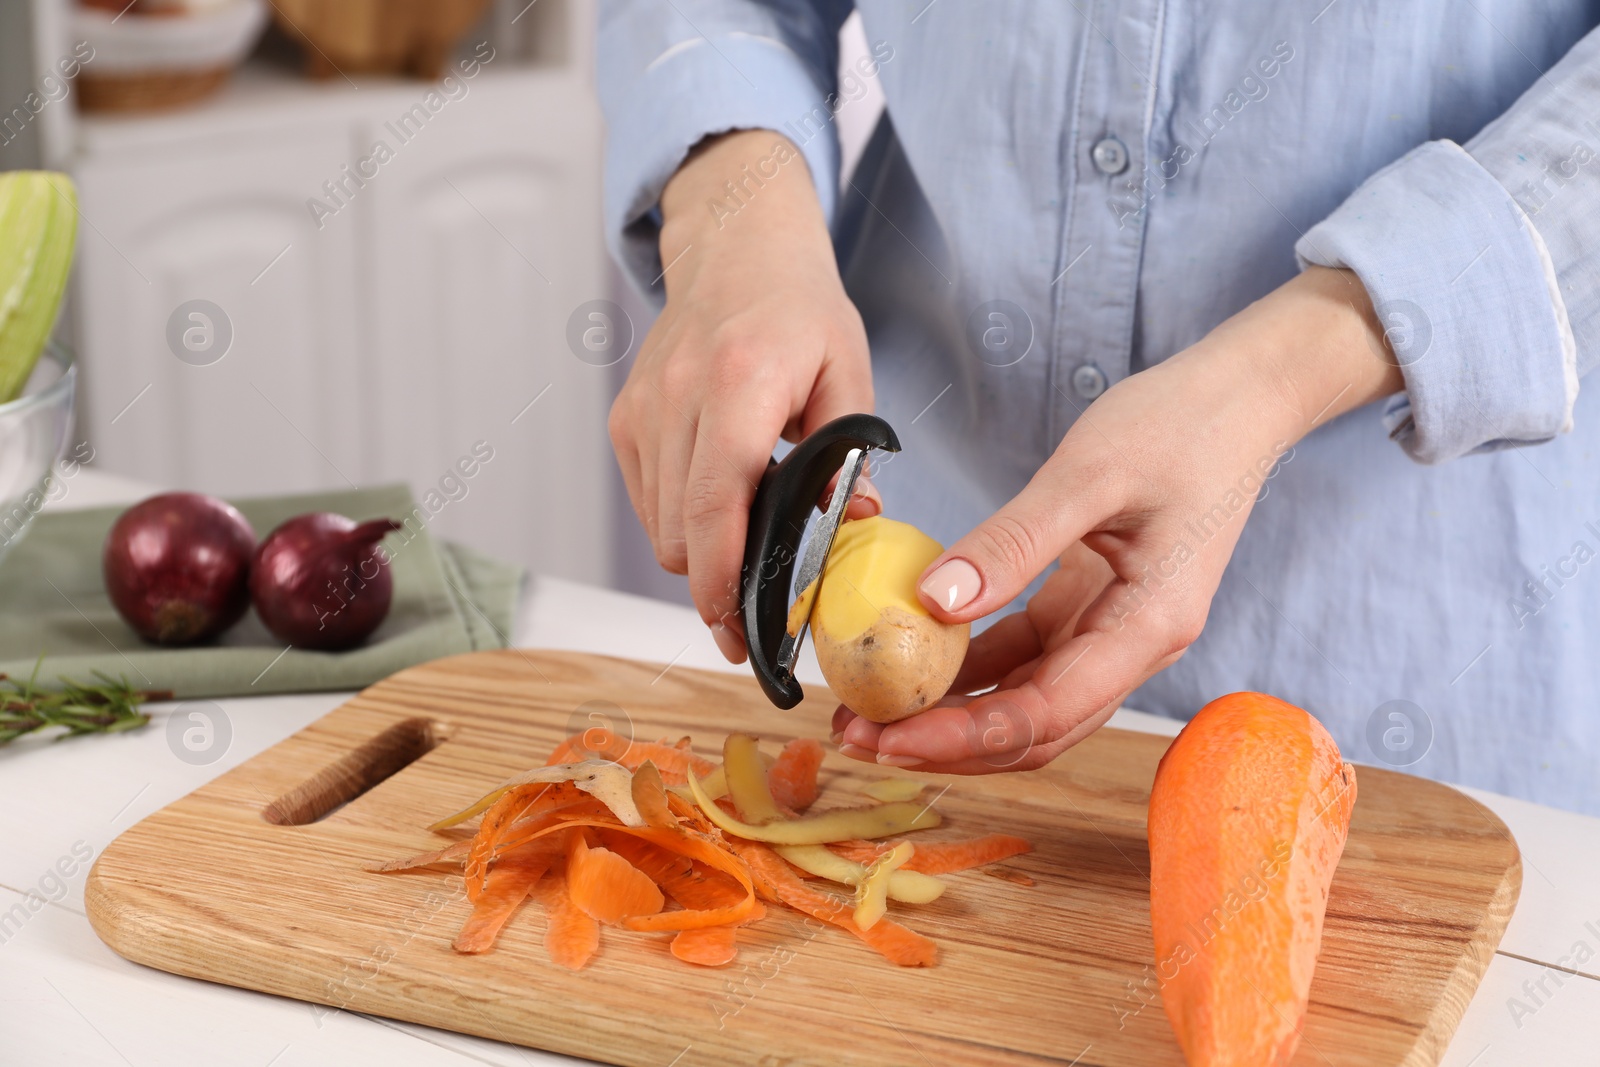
379	342
203	222
483	245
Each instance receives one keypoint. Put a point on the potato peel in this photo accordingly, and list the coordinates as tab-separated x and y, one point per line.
607	782
716	783
800	611
883	820
650	798
908	887
872	895
746	778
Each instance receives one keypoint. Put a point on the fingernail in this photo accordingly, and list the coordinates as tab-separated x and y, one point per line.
856	752
865	490
836	737
888	760
954	585
730	644
864	501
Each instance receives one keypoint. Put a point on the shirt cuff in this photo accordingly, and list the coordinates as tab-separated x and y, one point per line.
1466	292
699	87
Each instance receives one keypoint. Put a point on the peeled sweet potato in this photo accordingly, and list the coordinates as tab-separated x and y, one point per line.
1248	817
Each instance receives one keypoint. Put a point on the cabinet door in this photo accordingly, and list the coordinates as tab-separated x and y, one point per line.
486	239
223	220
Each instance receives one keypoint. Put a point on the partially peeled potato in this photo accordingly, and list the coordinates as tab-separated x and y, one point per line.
881	651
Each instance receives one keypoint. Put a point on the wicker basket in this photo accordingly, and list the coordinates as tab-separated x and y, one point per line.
377	36
149	91
149	62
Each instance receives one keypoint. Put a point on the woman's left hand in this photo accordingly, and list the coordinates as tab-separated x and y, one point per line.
1142	503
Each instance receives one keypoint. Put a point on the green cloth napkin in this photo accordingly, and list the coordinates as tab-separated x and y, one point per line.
447	599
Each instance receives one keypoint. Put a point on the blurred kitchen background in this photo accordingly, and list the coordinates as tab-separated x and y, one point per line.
263	304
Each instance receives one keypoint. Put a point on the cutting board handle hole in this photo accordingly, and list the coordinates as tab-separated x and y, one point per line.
349	777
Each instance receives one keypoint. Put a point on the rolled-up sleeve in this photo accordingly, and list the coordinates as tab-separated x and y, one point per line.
1483	263
671	74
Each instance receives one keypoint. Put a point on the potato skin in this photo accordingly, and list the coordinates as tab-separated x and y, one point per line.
899	666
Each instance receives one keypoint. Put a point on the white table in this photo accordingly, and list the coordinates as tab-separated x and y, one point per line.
66	998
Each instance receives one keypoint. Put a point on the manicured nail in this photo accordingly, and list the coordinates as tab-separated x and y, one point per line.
730	644
954	585
887	760
857	752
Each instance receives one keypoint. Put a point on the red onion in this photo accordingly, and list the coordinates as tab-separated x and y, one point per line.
321	581
177	567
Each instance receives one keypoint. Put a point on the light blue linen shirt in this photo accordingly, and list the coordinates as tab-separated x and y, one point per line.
1064	194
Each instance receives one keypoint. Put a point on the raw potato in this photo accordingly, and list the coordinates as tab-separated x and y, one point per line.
878	647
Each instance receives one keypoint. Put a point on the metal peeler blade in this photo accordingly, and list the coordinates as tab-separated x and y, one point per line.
817	550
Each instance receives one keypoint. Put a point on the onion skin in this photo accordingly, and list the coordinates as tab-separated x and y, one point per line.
321	581
177	567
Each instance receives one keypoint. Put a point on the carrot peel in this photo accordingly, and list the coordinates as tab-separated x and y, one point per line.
607	887
648	837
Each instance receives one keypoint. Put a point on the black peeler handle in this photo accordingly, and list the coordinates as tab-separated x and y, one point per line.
784	500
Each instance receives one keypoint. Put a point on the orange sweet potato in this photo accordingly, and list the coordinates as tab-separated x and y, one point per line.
1248	817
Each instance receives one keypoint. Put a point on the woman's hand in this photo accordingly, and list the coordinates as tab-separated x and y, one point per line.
1142	503
757	340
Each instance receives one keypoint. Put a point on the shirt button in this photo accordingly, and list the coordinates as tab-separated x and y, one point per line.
1110	156
1088	381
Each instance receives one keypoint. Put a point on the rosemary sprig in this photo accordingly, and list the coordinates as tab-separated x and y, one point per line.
108	706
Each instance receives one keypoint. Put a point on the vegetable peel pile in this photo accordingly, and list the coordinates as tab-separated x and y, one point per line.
651	838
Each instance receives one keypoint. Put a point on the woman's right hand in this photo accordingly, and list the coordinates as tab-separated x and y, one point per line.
757	340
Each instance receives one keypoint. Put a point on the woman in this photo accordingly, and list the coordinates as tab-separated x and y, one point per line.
1131	274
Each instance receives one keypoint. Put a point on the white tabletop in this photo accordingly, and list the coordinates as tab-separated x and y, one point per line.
66	998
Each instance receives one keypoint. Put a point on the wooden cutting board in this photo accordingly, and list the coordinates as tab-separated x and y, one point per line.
256	880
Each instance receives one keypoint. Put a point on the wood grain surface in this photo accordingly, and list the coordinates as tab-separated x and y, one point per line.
256	880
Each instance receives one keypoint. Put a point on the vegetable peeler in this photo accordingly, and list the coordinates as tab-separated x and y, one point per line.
789	490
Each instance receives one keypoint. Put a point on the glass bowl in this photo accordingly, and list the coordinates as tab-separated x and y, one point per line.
34	430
